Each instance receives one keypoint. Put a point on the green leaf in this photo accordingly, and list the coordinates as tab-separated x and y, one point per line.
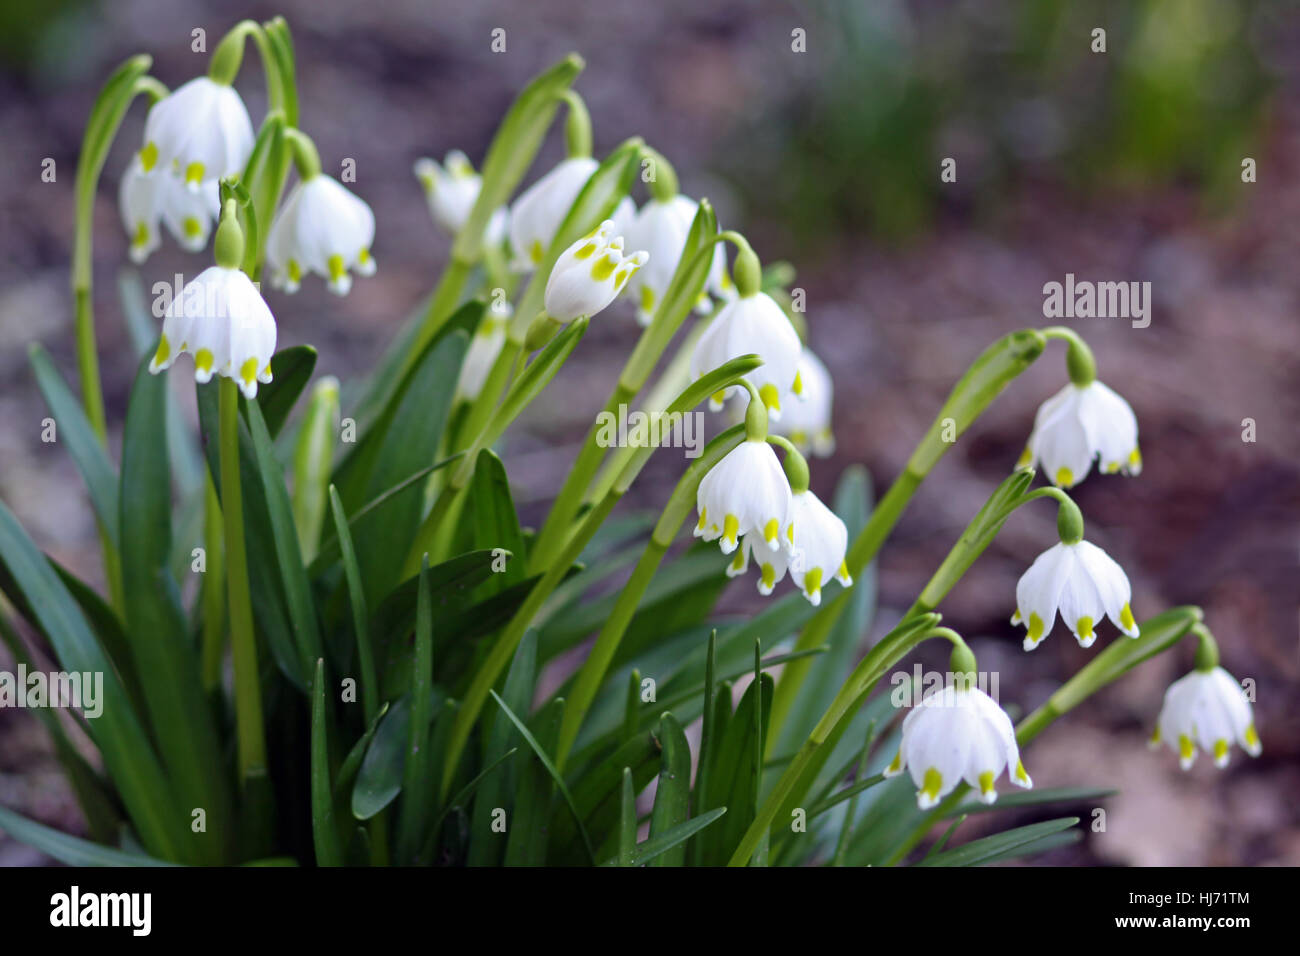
991	848
627	819
103	818
79	438
451	585
351	765
499	735
380	778
656	846
284	536
410	441
361	633
1033	798
527	840
291	369
324	824
673	796
156	627
496	523
550	769
390	387
417	774
128	755
71	850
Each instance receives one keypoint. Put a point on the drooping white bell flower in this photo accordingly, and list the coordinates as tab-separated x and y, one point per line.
1209	709
772	565
146	199
1076	425
536	215
323	228
807	423
1084	583
451	191
954	734
745	493
483	350
589	274
623	216
201	131
818	543
661	227
222	320
752	324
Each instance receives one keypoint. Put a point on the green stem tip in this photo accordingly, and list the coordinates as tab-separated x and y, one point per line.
1207	648
228	248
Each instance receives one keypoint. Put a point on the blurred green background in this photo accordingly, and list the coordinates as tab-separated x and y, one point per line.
1122	165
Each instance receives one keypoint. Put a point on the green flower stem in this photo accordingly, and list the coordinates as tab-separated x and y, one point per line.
672	381
305	155
611	634
1121	656
558	520
127	82
228	57
986	378
214	588
815	633
1207	648
664	186
249	729
577	126
1079	360
801	771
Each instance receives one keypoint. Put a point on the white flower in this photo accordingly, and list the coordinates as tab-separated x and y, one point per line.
536	215
661	228
807	423
745	492
1209	709
145	199
623	216
323	228
451	190
772	565
483	350
221	319
954	734
819	541
1084	583
1076	425
589	274
200	131
815	543
754	324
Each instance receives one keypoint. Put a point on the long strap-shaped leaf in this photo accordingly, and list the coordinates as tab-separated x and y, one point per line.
128	754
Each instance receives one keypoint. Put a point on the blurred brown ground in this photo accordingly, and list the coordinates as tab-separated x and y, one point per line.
1211	520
